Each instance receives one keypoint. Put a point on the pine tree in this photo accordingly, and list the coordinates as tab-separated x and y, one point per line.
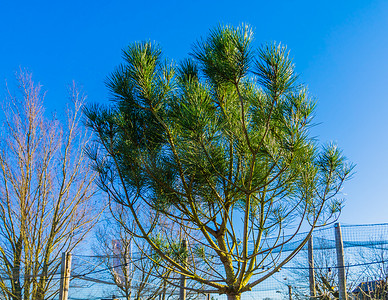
220	145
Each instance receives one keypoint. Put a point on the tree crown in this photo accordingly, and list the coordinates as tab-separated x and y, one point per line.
219	144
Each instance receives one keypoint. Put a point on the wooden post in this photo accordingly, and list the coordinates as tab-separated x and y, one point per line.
311	268
182	288
208	296
65	276
339	246
289	292
164	289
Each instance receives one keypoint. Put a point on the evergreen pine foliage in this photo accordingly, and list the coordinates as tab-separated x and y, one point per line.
220	145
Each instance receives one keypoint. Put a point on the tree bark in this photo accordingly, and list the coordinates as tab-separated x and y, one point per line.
16	280
234	297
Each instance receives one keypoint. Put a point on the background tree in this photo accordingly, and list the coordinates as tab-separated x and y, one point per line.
136	276
133	265
372	275
325	271
46	187
220	146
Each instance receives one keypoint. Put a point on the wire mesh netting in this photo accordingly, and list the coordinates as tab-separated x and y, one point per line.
365	254
96	277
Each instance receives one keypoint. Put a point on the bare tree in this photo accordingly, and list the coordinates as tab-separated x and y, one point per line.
325	272
134	266
46	187
373	272
127	259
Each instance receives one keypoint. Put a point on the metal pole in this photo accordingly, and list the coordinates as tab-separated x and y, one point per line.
182	289
339	246
311	268
65	276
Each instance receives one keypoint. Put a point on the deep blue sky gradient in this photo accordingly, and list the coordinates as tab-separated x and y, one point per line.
340	49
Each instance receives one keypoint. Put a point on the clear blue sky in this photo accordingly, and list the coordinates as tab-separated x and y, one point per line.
340	49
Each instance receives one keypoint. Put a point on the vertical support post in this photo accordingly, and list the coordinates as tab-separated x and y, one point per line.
128	273
289	292
208	296
339	246
65	276
163	297
182	288
311	268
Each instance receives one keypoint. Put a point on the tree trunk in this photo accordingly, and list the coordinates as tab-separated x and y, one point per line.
234	297
16	280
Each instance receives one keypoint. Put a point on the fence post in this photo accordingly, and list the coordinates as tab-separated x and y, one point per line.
182	288
65	276
339	246
289	292
311	268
